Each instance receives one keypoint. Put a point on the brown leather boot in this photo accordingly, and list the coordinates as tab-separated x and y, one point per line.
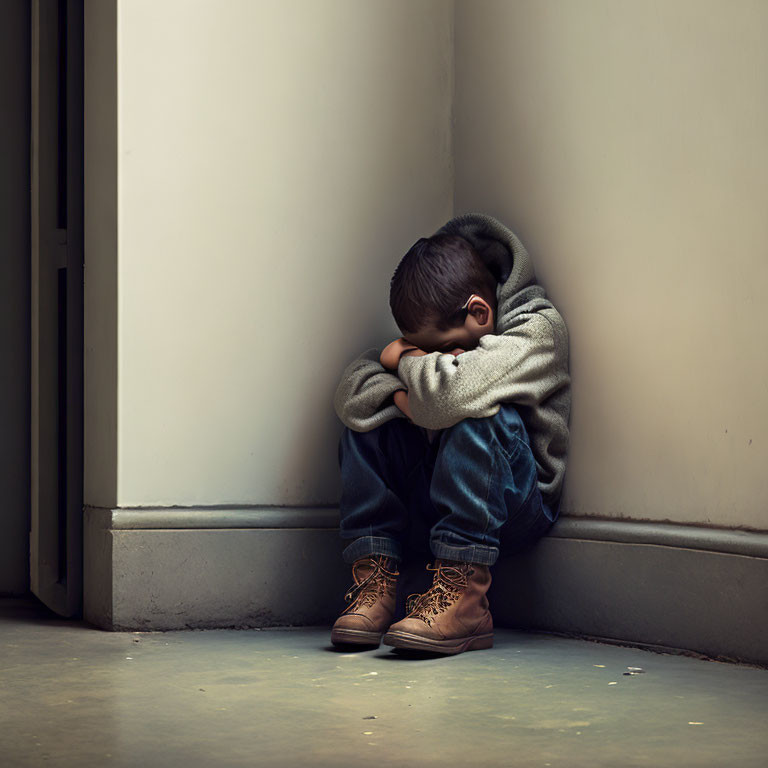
372	602
451	616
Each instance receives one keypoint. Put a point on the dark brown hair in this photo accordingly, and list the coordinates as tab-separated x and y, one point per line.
433	280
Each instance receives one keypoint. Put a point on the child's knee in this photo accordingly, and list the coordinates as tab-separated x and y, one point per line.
506	421
377	437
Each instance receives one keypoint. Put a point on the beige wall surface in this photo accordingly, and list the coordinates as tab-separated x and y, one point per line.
275	160
625	142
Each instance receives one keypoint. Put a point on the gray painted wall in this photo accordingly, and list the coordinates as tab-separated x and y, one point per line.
625	143
14	297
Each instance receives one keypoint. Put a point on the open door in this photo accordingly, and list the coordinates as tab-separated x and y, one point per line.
57	304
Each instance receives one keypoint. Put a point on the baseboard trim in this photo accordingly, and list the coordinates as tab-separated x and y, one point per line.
655	584
729	541
164	569
214	518
737	542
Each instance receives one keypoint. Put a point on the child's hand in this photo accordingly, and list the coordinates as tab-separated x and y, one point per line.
392	353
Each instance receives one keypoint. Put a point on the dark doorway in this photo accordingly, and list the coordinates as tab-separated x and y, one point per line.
56	280
41	301
14	296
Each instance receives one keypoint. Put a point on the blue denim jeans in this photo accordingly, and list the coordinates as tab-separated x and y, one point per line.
469	495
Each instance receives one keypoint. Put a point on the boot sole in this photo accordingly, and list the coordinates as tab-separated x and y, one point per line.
355	636
399	639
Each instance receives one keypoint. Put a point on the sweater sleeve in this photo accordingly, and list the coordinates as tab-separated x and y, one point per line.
517	366
362	394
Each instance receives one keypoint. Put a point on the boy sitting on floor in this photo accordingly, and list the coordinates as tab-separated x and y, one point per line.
456	432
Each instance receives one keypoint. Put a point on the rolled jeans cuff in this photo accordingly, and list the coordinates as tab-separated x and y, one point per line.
472	553
372	545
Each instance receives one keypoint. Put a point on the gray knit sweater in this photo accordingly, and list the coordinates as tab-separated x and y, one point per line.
525	362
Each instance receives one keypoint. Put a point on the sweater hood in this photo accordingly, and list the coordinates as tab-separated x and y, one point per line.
508	261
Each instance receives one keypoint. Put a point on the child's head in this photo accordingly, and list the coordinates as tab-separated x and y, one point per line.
442	295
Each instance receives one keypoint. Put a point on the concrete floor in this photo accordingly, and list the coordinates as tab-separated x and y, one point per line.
71	695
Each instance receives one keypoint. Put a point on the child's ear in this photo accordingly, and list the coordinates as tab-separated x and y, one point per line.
480	311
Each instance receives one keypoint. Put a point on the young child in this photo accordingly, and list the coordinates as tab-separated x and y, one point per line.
457	432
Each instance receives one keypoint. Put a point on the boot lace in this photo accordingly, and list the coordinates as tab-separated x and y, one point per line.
365	592
449	582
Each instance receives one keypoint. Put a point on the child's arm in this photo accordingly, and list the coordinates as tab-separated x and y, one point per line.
363	398
523	365
390	358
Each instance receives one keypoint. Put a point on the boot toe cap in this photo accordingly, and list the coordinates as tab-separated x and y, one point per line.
356	629
416	627
356	621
